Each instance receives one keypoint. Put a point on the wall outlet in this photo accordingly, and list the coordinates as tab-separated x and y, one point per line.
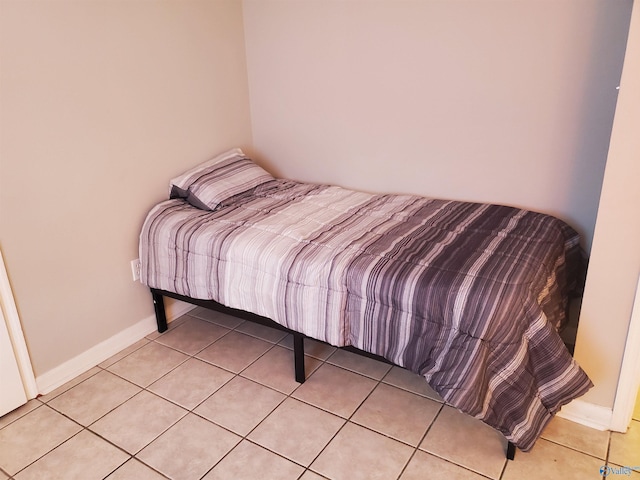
135	269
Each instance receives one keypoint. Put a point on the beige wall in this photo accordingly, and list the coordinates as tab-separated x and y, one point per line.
101	103
500	101
615	260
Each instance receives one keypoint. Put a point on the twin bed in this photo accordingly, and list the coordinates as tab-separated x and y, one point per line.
471	296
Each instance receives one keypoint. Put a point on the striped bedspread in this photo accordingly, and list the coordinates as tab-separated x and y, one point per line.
468	295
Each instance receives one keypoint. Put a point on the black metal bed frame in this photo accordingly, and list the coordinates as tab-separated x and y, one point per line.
298	338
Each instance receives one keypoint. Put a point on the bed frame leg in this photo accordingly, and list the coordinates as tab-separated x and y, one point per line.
511	451
298	353
161	316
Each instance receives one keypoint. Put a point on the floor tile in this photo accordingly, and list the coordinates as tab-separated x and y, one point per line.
219	318
3	476
84	457
190	383
235	351
336	390
135	470
313	348
33	435
403	378
70	384
12	416
120	355
297	431
98	395
269	334
134	424
192	336
359	364
240	405
148	364
581	438
466	441
189	449
552	462
360	454
275	369
397	413
625	447
424	465
248	461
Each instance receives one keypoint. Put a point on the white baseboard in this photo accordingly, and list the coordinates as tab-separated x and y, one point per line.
70	369
587	414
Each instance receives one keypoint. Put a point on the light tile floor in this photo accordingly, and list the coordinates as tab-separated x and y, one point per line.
214	398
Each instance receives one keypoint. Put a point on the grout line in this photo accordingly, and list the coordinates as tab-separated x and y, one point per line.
606	461
504	467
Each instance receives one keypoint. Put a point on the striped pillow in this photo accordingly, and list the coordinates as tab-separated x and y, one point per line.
207	185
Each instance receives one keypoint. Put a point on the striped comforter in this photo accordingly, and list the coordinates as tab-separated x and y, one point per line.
468	295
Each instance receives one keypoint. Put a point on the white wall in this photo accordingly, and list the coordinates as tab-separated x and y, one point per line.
101	103
499	101
614	267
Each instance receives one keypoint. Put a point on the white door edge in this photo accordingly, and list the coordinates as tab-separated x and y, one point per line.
10	313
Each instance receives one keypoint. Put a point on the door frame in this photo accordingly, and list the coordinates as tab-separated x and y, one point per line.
629	380
12	319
